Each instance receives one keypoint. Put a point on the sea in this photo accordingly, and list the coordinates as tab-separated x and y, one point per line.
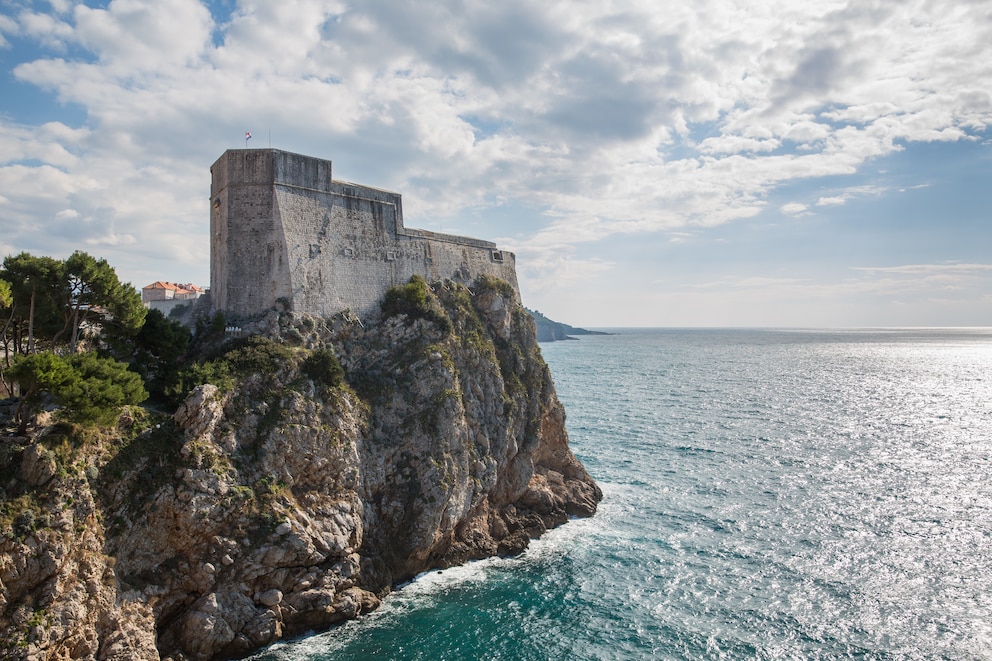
768	494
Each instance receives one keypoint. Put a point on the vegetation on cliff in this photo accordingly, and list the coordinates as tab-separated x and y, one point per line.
85	387
54	304
311	464
61	322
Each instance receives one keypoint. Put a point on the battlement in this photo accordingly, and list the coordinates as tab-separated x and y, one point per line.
282	229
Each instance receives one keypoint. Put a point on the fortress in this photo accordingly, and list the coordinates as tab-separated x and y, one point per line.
283	231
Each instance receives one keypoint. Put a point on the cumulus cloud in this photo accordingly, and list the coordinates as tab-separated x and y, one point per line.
612	119
47	29
134	36
8	26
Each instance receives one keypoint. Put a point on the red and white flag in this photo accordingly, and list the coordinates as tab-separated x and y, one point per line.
247	135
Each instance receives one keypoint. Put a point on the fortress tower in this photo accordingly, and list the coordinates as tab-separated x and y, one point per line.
282	228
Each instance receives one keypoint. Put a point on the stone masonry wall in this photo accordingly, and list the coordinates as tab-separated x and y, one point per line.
282	228
248	262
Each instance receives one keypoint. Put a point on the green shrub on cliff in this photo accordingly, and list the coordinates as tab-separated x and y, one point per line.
411	299
416	301
256	355
232	361
214	372
87	387
38	374
104	386
322	367
501	287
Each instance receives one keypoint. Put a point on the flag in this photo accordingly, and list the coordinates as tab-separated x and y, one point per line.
247	135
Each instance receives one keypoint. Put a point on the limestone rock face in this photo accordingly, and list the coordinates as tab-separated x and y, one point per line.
290	502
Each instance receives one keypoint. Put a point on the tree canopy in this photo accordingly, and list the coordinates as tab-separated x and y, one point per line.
55	303
73	334
34	313
87	387
6	295
6	313
94	294
158	351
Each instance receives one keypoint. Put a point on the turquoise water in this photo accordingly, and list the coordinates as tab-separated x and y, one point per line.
768	495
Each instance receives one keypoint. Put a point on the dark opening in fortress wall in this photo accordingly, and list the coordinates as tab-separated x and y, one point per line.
283	230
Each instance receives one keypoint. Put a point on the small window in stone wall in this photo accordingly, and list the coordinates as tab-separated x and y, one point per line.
348	252
498	256
390	255
314	250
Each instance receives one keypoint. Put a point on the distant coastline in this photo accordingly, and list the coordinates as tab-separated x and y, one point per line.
553	331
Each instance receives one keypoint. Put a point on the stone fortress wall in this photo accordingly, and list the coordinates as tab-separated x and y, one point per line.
282	228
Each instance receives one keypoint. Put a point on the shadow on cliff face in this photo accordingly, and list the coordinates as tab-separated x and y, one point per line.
330	460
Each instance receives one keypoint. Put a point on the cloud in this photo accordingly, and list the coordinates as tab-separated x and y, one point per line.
927	269
8	26
545	271
132	36
609	119
912	295
849	193
47	29
736	144
962	283
818	72
748	282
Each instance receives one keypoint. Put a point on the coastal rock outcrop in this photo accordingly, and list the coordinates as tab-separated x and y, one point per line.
334	460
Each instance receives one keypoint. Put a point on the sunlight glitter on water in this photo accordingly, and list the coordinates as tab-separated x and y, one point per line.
768	495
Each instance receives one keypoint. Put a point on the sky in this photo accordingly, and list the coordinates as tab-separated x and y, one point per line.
651	163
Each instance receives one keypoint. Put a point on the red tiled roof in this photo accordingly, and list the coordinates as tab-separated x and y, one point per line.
160	285
179	289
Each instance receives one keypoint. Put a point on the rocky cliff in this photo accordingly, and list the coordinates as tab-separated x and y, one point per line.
553	331
287	499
